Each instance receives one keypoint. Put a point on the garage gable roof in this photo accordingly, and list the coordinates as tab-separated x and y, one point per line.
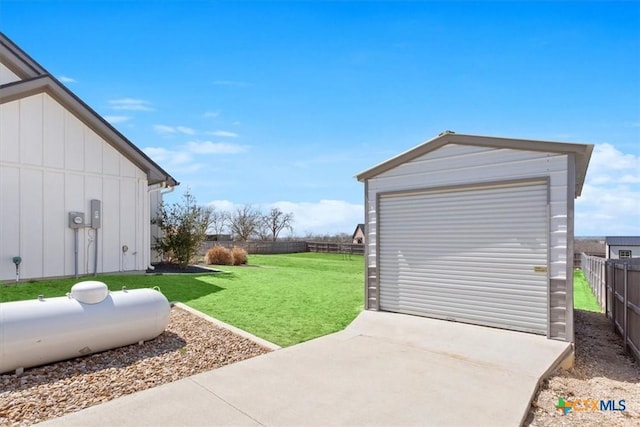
622	240
37	80
582	152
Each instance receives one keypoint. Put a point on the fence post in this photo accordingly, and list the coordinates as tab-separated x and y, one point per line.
624	305
611	270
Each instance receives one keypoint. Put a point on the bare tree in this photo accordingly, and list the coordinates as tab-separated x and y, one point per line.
276	221
244	222
219	221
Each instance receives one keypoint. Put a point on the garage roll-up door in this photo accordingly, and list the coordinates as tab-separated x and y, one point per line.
475	255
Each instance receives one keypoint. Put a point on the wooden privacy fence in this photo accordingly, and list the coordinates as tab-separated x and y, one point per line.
617	282
286	247
336	247
623	302
259	247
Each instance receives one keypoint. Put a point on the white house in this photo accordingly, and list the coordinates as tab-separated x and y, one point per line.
74	192
476	229
622	247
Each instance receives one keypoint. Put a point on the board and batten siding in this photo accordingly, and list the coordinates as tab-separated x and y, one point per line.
52	163
459	164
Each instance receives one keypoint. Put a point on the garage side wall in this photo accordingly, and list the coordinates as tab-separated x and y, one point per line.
51	163
457	164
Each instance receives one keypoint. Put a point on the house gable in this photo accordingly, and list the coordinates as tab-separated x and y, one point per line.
58	156
36	80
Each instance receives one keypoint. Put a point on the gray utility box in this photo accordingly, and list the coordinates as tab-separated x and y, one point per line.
76	219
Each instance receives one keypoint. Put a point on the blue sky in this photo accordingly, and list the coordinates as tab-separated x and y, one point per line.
282	103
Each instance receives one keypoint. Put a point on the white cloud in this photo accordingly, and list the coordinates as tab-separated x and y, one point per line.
164	129
224	205
322	217
610	201
174	161
185	130
209	147
130	104
65	79
117	119
223	133
211	114
171	130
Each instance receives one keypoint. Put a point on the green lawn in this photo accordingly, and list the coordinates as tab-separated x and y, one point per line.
285	299
583	298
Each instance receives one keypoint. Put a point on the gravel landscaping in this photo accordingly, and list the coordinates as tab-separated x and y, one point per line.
189	346
603	370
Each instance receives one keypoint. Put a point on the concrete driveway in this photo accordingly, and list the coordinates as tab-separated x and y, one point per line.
384	369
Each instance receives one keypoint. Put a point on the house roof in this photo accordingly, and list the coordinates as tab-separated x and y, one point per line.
35	80
589	246
358	227
622	240
582	152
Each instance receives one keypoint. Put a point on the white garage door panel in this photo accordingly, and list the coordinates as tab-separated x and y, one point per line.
467	255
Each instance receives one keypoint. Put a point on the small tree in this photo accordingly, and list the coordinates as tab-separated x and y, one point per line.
276	221
244	222
184	227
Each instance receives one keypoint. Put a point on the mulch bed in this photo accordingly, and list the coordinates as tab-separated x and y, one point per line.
170	268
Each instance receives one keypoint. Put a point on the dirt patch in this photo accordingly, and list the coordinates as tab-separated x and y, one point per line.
602	371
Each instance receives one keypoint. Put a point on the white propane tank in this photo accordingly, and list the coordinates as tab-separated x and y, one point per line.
88	320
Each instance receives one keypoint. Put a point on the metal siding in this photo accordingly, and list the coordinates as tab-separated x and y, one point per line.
563	328
467	255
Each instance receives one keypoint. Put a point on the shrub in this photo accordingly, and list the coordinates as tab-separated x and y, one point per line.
239	256
219	255
184	227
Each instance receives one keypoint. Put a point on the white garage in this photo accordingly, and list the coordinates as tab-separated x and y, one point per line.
476	229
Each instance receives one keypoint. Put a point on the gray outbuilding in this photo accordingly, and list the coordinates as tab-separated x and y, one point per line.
622	247
476	229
